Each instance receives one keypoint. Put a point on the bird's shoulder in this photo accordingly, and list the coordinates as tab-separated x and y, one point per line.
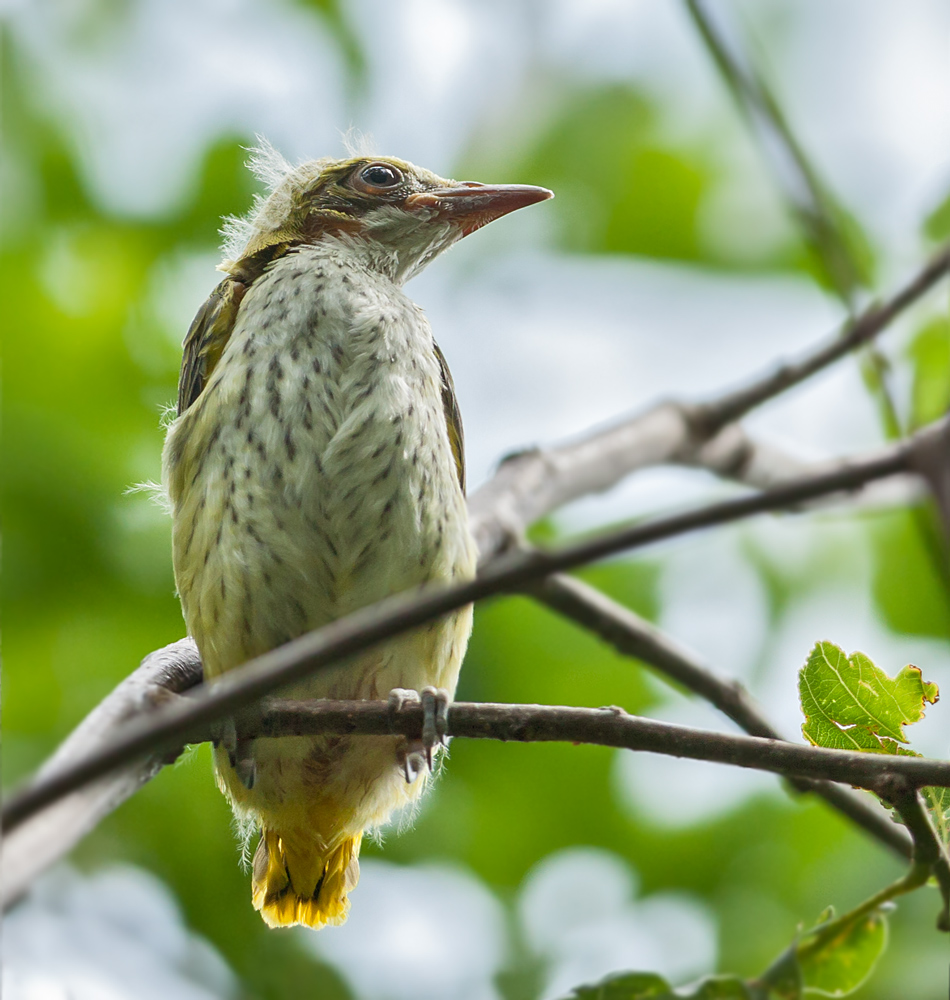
206	339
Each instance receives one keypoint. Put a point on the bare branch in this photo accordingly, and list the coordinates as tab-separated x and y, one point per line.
631	635
608	727
175	724
531	484
47	836
857	333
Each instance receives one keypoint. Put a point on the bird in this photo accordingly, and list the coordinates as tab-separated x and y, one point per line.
315	466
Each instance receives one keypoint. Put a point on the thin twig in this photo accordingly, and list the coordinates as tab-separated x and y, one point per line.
608	727
531	484
822	218
175	724
857	333
904	796
631	635
807	195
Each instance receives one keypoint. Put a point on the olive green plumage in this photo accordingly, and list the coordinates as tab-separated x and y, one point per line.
316	467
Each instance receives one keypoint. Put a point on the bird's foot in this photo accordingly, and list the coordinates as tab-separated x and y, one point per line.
240	752
435	719
435	709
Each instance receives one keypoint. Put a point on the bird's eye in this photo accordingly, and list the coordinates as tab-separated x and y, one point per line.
380	175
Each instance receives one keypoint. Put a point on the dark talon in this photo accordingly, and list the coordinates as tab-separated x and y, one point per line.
224	734
240	752
412	759
246	771
435	703
435	711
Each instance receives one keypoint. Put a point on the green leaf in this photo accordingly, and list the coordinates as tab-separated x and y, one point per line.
850	704
910	586
649	986
845	962
937	801
930	353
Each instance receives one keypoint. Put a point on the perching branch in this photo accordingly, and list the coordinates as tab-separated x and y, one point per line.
531	484
608	727
175	724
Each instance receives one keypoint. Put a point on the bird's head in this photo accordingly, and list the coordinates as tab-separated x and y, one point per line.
398	215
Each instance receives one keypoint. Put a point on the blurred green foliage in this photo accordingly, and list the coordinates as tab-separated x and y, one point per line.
937	224
621	189
910	573
87	589
929	352
832	969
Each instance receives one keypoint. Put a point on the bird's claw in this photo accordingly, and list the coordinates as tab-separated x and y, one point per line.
240	752
413	760
224	735
435	719
245	766
435	706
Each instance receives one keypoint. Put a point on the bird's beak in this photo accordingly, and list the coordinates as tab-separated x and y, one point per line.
472	205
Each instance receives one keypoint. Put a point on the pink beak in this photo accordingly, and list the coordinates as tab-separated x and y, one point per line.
472	205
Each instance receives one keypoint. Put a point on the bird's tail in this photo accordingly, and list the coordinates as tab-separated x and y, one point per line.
295	882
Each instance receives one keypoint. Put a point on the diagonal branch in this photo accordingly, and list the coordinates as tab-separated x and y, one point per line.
631	635
818	213
531	484
50	834
174	724
932	462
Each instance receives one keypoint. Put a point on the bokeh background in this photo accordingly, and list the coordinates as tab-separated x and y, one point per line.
668	264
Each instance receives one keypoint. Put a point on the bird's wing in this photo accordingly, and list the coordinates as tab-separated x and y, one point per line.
206	339
453	418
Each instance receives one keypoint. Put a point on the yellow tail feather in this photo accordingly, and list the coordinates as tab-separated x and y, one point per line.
296	883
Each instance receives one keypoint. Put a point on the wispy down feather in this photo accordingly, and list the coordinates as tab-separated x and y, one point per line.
358	143
281	178
267	164
272	169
